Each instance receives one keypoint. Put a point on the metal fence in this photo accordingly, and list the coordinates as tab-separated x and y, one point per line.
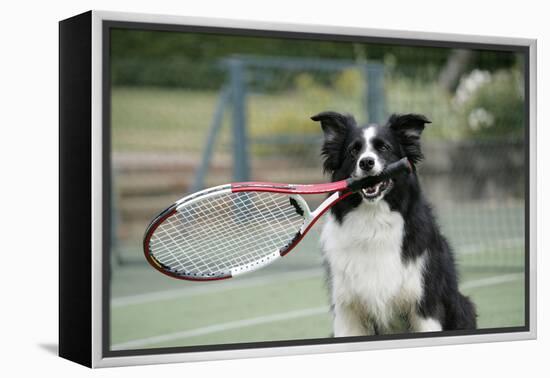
170	142
250	76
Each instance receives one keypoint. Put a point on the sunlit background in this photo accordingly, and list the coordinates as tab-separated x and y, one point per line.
192	110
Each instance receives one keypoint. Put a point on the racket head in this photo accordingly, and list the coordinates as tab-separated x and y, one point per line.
217	233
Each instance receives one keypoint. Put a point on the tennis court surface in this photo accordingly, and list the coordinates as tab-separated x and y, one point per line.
289	299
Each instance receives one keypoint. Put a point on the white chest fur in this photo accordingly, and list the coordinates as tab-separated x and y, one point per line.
364	255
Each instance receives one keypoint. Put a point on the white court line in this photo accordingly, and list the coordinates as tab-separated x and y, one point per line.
213	287
509	243
216	287
280	317
495	280
222	327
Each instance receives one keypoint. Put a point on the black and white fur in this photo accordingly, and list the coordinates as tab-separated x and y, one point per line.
389	267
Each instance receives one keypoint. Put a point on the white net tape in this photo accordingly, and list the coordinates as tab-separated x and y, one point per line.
214	234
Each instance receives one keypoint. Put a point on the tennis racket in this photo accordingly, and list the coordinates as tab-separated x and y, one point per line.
231	229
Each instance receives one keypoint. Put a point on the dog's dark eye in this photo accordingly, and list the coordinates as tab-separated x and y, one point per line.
355	149
381	146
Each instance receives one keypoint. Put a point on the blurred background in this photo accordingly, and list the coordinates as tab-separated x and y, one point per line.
192	110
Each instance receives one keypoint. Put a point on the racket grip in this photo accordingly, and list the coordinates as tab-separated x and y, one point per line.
391	171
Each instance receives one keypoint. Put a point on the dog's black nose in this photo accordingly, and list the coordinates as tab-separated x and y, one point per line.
366	164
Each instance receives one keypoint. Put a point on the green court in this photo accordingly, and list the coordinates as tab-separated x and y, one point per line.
288	300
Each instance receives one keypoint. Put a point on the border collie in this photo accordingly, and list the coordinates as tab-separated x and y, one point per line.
389	267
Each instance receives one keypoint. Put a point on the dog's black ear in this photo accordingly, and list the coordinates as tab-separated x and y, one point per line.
336	128
408	128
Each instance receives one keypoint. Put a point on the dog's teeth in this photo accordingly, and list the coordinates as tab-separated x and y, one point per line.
372	192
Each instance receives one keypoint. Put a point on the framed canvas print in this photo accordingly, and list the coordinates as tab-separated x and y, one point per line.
233	189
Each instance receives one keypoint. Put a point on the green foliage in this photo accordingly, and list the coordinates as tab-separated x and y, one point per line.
408	95
287	123
166	72
308	96
285	134
191	59
485	105
306	87
496	108
152	58
177	119
350	82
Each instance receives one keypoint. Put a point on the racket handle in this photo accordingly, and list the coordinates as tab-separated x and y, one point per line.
391	171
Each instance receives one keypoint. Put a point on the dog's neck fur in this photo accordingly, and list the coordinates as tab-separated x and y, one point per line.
367	269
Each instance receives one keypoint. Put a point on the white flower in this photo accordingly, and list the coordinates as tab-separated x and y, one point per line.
480	118
469	84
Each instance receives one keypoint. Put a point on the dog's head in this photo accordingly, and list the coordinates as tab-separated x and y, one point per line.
352	151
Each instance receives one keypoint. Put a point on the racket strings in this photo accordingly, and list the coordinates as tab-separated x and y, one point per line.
180	238
215	234
253	228
208	242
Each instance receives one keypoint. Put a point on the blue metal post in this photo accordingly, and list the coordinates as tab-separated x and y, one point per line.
375	93
213	132
241	170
